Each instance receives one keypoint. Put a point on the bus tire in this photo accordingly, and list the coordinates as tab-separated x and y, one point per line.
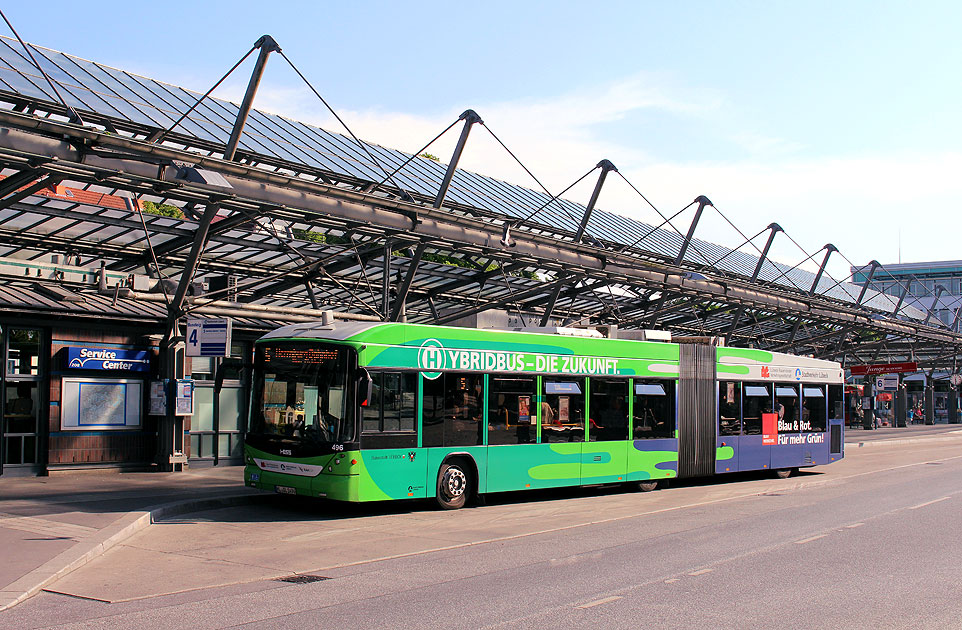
647	485
784	473
454	485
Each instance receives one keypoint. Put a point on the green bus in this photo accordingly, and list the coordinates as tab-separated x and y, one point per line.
357	411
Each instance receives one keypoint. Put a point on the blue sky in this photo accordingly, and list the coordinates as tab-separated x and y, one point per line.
838	120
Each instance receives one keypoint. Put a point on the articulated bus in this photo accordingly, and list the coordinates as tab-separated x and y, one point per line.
375	411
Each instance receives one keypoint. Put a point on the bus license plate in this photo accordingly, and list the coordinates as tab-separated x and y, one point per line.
285	489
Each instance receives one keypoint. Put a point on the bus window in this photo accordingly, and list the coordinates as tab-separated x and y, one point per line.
389	419
729	414
453	403
562	410
654	409
608	410
299	393
756	400
813	408
786	406
511	410
836	408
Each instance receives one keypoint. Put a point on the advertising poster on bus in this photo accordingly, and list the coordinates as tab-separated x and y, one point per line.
769	428
524	409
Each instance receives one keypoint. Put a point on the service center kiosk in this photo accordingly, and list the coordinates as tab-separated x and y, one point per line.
107	392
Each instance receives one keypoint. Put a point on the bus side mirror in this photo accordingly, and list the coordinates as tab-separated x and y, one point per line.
365	388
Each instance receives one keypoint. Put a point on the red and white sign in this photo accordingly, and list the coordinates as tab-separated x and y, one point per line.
769	428
884	368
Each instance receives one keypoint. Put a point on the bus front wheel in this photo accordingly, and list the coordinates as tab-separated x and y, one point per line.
647	485
784	473
453	485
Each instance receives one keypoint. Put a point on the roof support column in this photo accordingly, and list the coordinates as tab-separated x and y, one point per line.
938	293
310	293
171	453
775	229
702	202
605	167
469	117
267	45
898	305
552	301
874	265
829	248
386	281
406	285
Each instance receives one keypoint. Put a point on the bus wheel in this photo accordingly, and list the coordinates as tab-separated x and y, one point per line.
647	485
784	473
453	486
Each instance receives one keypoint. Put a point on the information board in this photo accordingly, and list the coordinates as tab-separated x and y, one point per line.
208	337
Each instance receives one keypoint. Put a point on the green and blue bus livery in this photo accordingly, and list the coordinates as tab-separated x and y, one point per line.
380	411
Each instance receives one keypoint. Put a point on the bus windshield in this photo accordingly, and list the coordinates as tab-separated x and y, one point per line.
301	392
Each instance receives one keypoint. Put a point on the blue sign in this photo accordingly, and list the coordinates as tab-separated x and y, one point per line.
108	359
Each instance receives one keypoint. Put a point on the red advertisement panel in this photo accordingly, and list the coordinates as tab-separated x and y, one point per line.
769	428
884	368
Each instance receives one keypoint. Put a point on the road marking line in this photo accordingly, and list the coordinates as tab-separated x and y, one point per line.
808	540
599	602
854	525
671	580
922	505
701	572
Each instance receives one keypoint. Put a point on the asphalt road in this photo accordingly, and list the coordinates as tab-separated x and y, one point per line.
871	542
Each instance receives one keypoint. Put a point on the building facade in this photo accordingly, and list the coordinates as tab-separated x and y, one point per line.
936	289
935	286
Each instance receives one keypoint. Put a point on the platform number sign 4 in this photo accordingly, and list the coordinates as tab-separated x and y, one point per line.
208	337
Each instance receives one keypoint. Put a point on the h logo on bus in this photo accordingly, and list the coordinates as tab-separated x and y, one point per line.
431	357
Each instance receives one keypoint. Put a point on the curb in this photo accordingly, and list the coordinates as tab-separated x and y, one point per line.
115	533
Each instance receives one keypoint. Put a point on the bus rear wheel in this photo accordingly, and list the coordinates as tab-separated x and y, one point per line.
785	473
454	483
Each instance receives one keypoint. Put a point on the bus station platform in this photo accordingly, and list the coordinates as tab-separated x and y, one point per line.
50	526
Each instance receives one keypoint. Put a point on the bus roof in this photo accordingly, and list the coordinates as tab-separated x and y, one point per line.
733	360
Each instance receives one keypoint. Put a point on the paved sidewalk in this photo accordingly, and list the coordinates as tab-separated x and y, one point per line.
890	435
50	526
